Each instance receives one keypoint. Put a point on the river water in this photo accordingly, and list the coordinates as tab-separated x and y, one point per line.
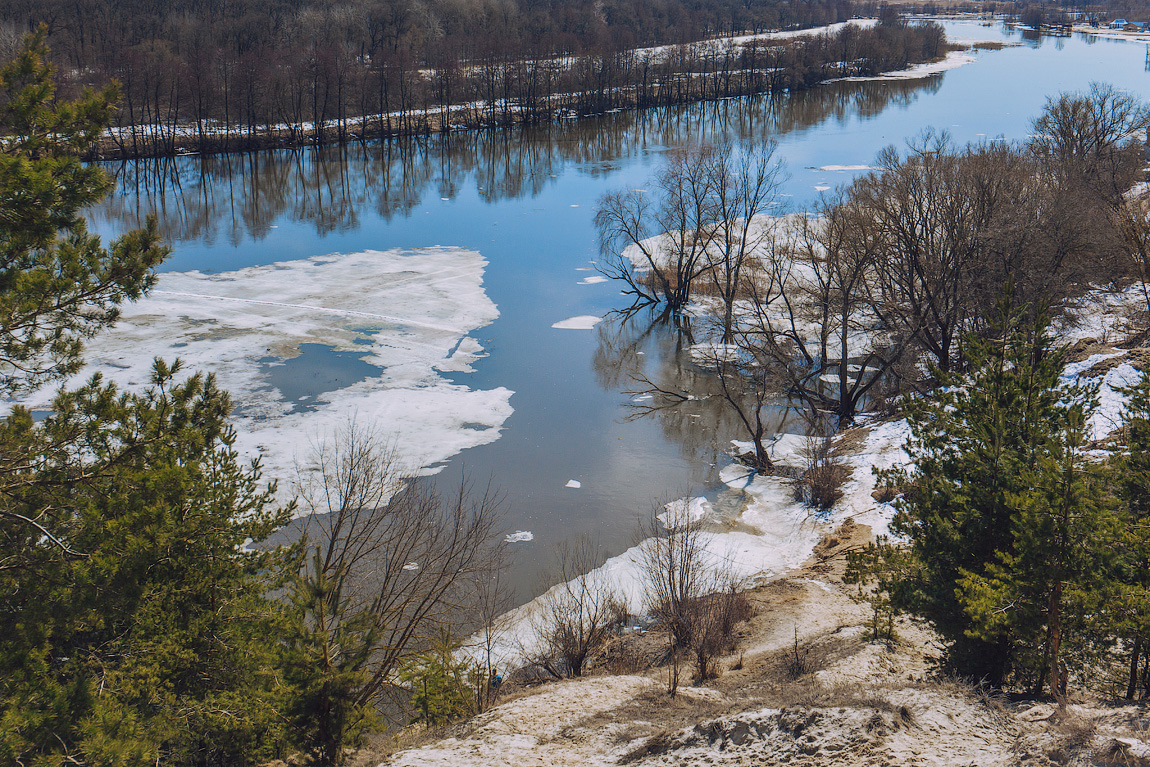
525	200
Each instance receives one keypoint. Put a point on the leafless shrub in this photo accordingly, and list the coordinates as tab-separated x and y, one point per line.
691	593
1075	736
820	485
575	616
802	659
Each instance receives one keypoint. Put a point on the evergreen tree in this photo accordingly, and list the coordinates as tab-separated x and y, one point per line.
440	683
136	613
1040	591
973	444
1131	605
58	286
327	657
146	641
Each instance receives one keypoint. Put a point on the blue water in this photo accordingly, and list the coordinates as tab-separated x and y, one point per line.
526	201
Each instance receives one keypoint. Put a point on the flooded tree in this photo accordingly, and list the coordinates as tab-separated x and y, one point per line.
697	231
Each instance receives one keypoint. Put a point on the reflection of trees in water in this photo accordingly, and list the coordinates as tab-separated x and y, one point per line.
240	196
647	355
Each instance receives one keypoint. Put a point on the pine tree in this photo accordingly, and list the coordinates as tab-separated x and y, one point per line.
147	643
327	654
972	444
1040	591
440	683
1131	605
58	285
136	613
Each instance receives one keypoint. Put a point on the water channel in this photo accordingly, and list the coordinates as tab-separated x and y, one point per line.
525	200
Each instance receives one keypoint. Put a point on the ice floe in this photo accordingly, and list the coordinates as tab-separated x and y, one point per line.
408	313
582	322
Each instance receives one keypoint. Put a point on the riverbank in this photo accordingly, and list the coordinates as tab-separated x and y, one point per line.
805	683
709	70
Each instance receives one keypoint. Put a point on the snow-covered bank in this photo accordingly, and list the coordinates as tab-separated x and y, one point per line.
1113	34
407	314
953	60
772	535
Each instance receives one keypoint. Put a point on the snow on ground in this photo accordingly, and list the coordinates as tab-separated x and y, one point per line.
1113	34
408	313
1111	402
529	731
683	512
658	52
953	60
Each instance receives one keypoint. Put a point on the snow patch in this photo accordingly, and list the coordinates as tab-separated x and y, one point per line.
953	60
683	512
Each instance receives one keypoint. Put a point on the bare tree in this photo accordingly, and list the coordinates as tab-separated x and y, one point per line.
573	617
391	564
690	591
703	218
1094	137
1132	220
932	223
492	599
845	350
746	187
657	243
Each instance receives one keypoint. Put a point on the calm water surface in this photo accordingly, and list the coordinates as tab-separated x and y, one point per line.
525	199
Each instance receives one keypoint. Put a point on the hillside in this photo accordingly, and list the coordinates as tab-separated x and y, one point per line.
841	700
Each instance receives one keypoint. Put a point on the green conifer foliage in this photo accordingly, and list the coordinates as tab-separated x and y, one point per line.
999	484
136	614
58	285
1131	604
441	684
140	636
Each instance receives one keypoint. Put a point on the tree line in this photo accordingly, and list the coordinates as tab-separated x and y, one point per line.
330	188
217	77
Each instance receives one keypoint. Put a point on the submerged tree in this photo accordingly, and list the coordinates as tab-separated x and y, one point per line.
700	226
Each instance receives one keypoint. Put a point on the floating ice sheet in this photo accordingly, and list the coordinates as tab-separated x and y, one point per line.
582	322
408	313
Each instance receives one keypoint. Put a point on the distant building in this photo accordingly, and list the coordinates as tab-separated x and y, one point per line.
1118	24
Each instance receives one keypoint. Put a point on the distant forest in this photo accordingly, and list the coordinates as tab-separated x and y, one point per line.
229	74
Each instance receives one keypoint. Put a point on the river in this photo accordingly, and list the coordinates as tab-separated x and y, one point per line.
524	201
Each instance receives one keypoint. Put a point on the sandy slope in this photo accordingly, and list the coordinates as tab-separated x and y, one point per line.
852	702
866	704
